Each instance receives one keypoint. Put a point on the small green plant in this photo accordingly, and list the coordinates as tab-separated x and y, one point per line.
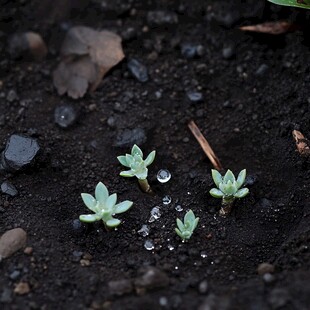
138	166
305	4
104	207
228	189
186	229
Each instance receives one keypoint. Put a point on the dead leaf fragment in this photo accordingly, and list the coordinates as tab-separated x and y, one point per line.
302	143
87	56
275	28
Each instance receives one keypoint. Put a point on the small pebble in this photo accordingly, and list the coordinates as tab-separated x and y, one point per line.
138	70
194	96
8	189
22	288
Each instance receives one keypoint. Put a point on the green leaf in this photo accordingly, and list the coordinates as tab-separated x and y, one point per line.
305	4
113	223
242	193
180	225
230	188
89	201
101	192
195	223
129	159
229	176
216	193
111	201
122	159
123	206
127	174
241	178
216	176
136	151
142	175
89	218
189	217
150	158
179	233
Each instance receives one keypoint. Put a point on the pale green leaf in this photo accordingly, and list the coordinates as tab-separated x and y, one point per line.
113	223
229	176
241	178
89	218
150	158
101	193
179	233
127	174
123	206
216	193
216	176
189	217
89	201
122	159
136	151
111	201
180	225
242	193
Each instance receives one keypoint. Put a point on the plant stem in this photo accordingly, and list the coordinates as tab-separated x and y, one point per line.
227	204
145	186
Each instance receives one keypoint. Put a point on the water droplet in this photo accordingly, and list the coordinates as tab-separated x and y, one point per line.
167	200
149	245
179	208
163	175
170	247
155	214
144	231
203	254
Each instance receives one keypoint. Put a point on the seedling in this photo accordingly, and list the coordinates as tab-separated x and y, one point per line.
298	3
186	229
228	189
104	206
138	166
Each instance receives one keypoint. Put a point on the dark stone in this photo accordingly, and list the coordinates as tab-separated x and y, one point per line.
261	70
228	52
65	115
190	50
194	96
9	189
129	137
11	96
157	18
278	298
203	287
78	227
250	180
120	287
14	275
6	295
20	151
138	70
151	278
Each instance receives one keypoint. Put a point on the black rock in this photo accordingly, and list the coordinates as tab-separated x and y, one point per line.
151	278
14	275
129	137
78	227
194	96
20	151
250	180
9	189
190	50
138	70
65	115
120	287
228	52
157	18
261	70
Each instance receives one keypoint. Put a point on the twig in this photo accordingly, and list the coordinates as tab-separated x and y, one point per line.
205	145
302	143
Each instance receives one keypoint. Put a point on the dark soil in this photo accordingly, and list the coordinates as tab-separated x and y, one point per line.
247	116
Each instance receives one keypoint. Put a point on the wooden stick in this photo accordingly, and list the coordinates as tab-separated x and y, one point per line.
205	145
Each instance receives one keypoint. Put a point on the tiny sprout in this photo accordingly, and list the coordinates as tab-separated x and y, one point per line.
186	229
138	166
228	189
104	206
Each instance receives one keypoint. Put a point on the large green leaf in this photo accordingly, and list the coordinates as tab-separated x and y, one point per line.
216	176
101	193
305	4
216	193
123	206
89	218
122	159
150	158
89	201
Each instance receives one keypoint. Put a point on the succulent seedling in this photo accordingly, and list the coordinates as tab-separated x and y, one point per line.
228	188
298	3
186	229
138	166
104	207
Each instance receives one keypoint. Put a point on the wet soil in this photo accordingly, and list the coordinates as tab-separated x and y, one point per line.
246	115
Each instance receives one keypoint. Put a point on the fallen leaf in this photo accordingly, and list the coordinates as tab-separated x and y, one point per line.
275	28
303	144
87	55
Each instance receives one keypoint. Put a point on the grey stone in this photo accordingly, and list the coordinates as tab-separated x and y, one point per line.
120	287
12	241
138	70
194	96
9	189
129	137
151	278
19	152
65	115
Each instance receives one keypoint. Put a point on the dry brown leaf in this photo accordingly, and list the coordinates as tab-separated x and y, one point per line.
303	144
275	28
87	56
